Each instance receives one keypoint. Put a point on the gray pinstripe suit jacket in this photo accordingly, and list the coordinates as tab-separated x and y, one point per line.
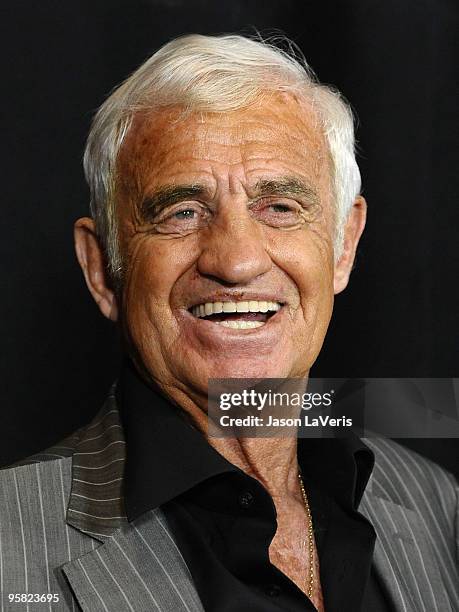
63	530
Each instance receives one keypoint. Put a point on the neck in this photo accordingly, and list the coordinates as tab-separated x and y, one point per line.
271	460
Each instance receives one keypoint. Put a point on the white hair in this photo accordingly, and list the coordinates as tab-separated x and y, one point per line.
215	74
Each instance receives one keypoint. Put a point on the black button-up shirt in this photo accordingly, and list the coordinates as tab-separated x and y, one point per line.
223	520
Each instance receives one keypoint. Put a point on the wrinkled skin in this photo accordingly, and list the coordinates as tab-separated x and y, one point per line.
231	242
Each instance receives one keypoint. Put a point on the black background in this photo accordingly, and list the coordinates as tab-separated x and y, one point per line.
397	64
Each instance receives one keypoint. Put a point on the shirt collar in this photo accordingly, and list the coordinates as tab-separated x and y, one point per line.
341	467
167	456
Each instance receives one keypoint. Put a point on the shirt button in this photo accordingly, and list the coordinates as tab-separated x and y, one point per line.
246	499
273	590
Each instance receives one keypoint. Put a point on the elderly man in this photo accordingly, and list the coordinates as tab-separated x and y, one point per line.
225	216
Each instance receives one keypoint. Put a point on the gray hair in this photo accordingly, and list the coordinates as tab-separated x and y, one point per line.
216	74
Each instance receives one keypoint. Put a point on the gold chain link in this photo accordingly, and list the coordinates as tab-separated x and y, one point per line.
310	583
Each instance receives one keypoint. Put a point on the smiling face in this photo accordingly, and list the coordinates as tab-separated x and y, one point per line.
222	213
226	234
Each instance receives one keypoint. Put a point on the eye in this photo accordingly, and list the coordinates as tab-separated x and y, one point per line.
281	208
185	214
185	217
277	213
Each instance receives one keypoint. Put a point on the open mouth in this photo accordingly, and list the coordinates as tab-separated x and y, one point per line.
237	315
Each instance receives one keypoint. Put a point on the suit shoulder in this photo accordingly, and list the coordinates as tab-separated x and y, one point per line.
68	446
407	478
31	490
21	474
64	448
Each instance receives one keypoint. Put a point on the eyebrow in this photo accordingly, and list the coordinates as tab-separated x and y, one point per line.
167	195
287	186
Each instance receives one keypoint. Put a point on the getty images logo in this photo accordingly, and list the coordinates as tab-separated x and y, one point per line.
271	399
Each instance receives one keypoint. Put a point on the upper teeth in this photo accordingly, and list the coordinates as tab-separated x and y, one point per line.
204	310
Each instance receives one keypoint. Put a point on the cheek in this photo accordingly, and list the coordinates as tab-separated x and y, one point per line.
153	267
306	256
148	326
316	283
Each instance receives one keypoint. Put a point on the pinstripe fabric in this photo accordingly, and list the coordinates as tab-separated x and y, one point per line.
140	568
413	505
98	450
96	502
62	522
35	539
63	530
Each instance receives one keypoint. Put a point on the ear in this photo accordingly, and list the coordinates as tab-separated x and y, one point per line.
91	259
353	230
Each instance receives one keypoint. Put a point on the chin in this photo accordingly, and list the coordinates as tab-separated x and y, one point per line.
249	369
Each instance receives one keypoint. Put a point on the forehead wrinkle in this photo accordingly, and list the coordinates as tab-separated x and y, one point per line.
141	162
132	162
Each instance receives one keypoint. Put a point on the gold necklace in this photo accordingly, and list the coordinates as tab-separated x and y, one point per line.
310	538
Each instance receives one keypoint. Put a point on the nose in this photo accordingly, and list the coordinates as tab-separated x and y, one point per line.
233	249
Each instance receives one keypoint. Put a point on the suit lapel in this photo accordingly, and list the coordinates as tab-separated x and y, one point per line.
96	504
403	557
137	566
